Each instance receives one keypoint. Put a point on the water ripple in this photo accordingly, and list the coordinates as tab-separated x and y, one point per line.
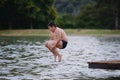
26	58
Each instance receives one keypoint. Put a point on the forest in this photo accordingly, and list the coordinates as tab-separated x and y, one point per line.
69	14
26	14
88	14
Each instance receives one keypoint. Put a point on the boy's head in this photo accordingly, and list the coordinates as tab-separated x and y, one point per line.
52	26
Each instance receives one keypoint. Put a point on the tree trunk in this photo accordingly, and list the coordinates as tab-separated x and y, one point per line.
116	19
10	25
31	25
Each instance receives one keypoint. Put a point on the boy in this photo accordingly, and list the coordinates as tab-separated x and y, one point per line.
58	39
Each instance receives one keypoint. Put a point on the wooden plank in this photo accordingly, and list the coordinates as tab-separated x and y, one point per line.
114	65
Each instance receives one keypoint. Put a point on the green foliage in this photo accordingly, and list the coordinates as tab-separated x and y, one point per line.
114	8
70	6
66	21
69	11
99	14
34	14
26	13
87	17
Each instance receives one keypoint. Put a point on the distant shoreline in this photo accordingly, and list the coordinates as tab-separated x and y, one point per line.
73	32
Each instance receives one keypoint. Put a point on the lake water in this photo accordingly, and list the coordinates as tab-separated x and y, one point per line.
26	58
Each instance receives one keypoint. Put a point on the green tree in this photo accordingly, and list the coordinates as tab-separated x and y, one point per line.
47	12
100	14
115	9
29	9
88	18
68	10
66	21
22	13
8	12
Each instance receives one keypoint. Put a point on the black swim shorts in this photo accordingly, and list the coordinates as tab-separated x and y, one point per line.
64	43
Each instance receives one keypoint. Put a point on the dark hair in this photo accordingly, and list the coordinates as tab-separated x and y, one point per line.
52	24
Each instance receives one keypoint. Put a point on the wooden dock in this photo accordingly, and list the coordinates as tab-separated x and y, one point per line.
113	65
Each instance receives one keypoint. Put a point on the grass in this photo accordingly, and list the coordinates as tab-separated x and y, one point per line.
29	32
93	32
45	32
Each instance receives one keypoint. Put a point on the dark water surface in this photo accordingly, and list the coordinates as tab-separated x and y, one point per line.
26	58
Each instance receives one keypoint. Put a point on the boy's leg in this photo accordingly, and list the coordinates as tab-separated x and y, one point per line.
55	51
49	44
60	46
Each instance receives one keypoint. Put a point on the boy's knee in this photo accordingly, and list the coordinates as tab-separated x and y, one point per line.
46	44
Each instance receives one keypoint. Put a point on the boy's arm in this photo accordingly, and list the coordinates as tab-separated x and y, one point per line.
51	37
57	38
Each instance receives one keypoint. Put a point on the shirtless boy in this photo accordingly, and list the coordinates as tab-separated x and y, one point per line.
58	39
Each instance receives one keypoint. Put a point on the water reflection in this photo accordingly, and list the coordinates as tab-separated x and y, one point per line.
26	58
